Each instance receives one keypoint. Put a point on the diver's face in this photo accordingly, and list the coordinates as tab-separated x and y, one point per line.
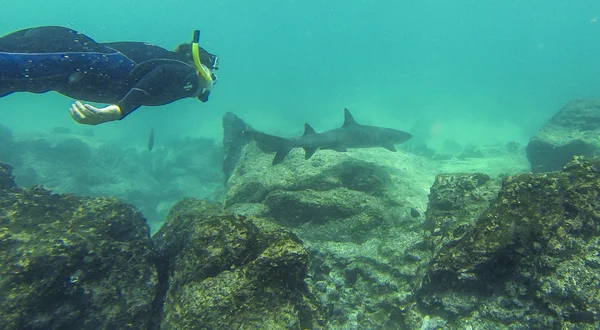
207	84
204	84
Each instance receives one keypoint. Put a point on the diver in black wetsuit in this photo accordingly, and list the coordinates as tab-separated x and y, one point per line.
126	75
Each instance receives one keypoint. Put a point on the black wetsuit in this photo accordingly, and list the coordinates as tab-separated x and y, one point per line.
128	74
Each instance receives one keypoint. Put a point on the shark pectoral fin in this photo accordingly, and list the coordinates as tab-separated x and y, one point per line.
281	154
309	152
340	149
389	147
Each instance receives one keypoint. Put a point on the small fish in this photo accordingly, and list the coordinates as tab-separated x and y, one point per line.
151	140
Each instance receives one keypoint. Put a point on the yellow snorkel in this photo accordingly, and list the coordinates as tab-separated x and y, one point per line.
203	71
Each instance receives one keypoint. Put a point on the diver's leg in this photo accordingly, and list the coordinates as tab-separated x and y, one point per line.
5	92
12	38
50	32
48	39
15	35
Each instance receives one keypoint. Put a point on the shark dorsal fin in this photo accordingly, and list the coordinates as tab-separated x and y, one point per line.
308	130
348	119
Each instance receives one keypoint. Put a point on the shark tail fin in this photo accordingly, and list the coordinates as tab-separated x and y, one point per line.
271	143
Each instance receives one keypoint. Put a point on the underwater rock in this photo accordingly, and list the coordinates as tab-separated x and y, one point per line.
366	286
69	262
530	261
6	145
71	163
332	195
230	272
60	130
573	131
252	182
294	208
353	212
470	151
7	179
359	175
513	147
234	140
72	151
421	149
452	147
455	203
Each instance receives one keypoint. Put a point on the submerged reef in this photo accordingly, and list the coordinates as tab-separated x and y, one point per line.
70	262
455	203
71	162
365	239
355	218
530	261
573	131
519	252
231	272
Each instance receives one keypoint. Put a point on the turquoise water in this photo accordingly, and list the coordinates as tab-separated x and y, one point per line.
469	70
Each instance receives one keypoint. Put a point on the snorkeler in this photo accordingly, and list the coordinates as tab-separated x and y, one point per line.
125	75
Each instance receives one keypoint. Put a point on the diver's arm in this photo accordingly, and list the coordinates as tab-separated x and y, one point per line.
90	115
163	85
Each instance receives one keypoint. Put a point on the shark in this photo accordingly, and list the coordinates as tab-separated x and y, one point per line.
350	135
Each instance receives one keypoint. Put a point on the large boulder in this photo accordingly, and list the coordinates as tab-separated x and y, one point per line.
357	213
573	131
333	196
530	261
455	202
231	272
7	179
234	139
69	262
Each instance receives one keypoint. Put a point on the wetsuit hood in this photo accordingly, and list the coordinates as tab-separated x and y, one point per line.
209	60
204	62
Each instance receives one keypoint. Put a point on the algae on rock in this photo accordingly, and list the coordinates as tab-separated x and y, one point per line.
530	261
69	262
354	216
228	272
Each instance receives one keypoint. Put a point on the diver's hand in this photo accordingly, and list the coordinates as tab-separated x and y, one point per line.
90	115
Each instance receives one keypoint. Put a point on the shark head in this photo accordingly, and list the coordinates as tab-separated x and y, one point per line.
372	136
390	137
395	136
